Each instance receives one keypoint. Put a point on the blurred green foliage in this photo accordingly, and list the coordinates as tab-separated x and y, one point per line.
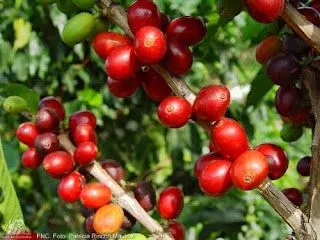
33	55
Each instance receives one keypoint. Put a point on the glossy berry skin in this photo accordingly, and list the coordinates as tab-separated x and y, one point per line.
277	159
31	159
95	195
85	153
47	143
53	103
230	138
249	170
165	21
283	69
125	88
203	161
294	45
212	147
311	15
47	120
155	86
114	169
268	48
150	45
104	43
84	133
291	132
174	112
265	11
58	164
215	179
27	133
82	117
70	187
143	13
178	53
211	103
294	195
170	203
188	30
304	166
145	195
177	230
89	224
108	219
122	63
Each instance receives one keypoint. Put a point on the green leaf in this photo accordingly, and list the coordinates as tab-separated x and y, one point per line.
12	156
91	96
10	206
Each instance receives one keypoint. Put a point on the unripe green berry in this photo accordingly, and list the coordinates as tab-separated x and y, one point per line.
228	9
84	4
291	133
15	104
67	7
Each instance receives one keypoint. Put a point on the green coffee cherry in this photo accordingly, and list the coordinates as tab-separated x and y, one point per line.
228	9
15	104
78	28
291	133
25	182
44	2
67	7
133	236
84	4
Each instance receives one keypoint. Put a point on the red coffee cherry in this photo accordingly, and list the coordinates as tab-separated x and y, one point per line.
304	166
155	86
249	170
145	195
114	169
212	147
268	48
95	195
85	153
58	164
265	11
294	195
178	53
170	203
47	143
165	21
124	89
150	45
215	179
311	15
89	224
84	133
47	120
229	138
277	159
177	230
122	63
188	30
27	133
82	117
31	159
211	103
53	103
143	13
295	45
104	43
303	114
174	112
203	161
70	187
128	221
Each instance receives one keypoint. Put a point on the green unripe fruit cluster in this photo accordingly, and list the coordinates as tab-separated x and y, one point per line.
15	104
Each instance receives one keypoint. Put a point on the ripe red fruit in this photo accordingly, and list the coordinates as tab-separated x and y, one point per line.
53	103
249	170
70	187
295	45
311	15
188	30
82	117
95	195
165	21
150	45
47	120
265	11
122	63
31	159
178	53
212	147
277	159
203	161
268	48
145	195
108	219
114	169
84	133
294	195
211	103
47	143
155	86
124	89
89	225
85	153
104	43
304	166
177	230
174	112
27	133
143	13
170	203
229	138
58	164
